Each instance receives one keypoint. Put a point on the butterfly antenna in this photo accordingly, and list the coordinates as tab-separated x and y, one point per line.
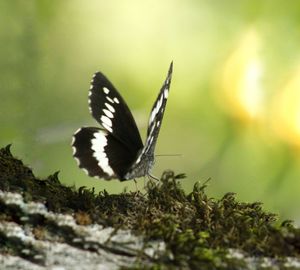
169	155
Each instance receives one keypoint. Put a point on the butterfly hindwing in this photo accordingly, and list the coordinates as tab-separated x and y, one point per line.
100	153
87	150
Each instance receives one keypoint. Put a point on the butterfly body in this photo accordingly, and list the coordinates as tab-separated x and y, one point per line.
141	168
116	150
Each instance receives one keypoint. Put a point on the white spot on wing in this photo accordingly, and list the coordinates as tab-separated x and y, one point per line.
72	143
85	170
102	155
138	160
158	123
107	127
106	90
98	144
160	103
150	132
152	116
108	113
150	141
106	120
109	99
116	100
166	93
111	108
73	140
77	131
77	161
74	150
91	87
156	109
153	113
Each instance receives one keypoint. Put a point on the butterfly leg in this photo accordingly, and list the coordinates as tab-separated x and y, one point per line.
153	177
145	184
136	186
150	184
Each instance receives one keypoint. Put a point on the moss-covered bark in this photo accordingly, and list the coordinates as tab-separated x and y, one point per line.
190	230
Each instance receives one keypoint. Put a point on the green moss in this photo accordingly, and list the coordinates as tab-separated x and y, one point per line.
198	230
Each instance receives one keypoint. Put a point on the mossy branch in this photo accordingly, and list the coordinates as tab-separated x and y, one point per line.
168	227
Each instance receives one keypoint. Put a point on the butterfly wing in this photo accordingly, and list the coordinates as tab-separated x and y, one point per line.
100	154
112	113
157	113
145	160
107	152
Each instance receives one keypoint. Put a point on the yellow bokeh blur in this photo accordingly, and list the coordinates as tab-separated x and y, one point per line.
242	92
286	110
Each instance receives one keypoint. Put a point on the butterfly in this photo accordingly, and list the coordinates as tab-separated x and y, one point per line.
116	150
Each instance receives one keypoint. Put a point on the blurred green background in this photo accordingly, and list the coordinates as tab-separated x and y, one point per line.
234	106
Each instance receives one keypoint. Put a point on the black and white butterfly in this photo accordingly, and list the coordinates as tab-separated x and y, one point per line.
116	150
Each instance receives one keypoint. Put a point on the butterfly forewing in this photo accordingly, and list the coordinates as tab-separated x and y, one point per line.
158	109
112	113
145	160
